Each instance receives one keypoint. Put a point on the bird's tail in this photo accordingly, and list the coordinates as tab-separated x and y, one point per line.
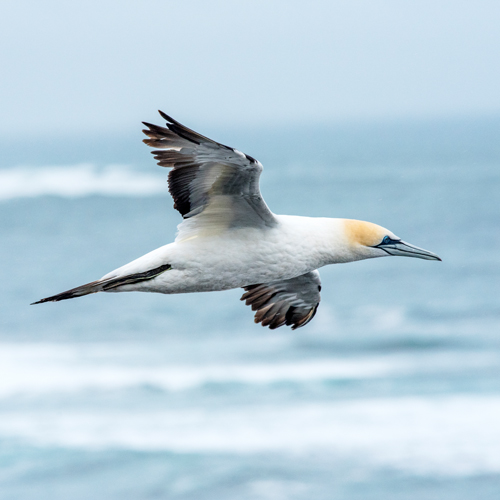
79	291
106	284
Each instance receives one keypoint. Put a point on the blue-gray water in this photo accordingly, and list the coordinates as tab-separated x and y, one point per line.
392	392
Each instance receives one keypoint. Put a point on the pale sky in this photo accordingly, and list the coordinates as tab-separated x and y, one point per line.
106	65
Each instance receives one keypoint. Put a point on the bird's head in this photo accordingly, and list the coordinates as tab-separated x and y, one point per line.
368	240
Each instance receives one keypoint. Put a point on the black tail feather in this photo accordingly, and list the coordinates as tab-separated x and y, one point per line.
105	285
79	291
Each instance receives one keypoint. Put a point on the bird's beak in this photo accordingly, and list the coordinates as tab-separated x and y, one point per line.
406	250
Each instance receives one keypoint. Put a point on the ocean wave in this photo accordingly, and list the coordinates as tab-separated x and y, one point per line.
61	372
78	180
452	435
41	369
440	434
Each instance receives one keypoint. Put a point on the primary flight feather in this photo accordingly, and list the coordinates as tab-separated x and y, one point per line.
229	238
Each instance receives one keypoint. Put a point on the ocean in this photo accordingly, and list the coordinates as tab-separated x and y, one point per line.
391	392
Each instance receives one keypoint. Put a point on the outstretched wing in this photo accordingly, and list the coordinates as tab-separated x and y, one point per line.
212	183
287	302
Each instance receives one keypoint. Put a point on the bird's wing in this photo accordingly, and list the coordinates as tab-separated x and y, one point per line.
286	302
214	187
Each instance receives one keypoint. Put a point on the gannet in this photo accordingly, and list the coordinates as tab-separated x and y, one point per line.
229	238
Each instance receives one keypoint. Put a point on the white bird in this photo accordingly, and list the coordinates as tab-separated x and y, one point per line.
229	238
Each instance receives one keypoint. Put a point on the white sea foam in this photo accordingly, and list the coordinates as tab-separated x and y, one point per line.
78	180
37	369
455	435
452	434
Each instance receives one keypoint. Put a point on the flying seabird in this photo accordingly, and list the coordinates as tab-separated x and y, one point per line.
229	238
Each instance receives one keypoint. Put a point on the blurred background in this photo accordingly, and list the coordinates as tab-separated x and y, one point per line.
384	111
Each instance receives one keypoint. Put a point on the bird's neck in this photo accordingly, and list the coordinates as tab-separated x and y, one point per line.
324	239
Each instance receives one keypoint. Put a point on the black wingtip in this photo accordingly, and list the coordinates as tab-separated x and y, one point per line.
167	118
152	126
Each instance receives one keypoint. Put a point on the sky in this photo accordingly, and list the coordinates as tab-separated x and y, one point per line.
104	66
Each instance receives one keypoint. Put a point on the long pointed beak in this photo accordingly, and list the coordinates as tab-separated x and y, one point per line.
406	250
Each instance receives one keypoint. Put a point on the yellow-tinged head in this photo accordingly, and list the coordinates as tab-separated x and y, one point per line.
359	232
371	240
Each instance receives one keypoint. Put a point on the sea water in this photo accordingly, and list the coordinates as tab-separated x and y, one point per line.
392	392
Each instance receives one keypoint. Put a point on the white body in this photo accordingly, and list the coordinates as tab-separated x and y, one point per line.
241	257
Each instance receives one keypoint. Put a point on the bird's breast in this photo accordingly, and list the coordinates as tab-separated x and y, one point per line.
248	256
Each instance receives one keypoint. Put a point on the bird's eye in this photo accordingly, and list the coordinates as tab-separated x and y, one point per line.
386	240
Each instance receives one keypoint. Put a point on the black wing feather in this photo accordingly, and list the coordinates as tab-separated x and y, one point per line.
203	169
292	302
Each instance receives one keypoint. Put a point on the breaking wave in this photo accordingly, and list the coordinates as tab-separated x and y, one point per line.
455	435
36	369
78	180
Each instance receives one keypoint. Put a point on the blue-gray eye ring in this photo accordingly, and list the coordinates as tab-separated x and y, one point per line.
387	240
